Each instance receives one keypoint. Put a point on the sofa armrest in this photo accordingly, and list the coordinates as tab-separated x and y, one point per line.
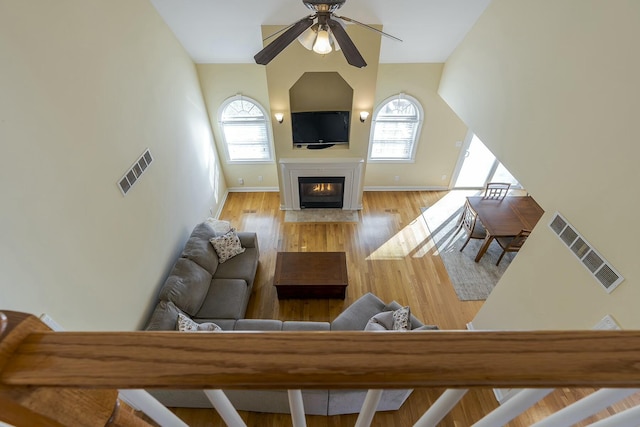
356	316
248	239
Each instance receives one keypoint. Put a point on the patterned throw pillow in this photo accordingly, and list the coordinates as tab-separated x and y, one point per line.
227	246
398	320
402	319
186	324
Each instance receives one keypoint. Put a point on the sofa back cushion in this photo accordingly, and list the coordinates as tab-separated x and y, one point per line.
201	252
186	286
164	317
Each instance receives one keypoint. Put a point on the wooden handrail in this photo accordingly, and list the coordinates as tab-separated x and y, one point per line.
320	360
52	406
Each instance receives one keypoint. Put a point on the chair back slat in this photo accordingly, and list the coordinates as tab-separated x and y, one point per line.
496	190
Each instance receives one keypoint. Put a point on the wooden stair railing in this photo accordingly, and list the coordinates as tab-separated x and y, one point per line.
35	360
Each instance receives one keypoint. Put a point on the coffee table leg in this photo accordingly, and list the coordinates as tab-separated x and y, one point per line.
484	247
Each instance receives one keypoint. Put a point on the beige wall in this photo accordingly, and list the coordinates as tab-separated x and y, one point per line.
86	87
285	70
552	89
270	85
222	81
436	153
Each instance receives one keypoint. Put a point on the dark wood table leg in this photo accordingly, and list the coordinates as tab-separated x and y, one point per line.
484	247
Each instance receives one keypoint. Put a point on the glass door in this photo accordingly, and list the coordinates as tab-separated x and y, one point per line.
478	166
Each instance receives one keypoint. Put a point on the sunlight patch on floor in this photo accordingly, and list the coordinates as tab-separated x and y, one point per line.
414	239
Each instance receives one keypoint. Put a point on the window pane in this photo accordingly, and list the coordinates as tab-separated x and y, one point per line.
245	131
393	140
395	130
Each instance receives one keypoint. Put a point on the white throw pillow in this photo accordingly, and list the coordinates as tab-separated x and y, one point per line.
185	324
218	226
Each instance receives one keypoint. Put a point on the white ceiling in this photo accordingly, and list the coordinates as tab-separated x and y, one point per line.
216	31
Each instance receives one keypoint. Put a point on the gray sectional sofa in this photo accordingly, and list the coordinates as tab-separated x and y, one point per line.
202	287
208	291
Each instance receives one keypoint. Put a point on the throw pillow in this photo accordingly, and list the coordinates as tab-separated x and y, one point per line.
402	319
185	324
398	320
227	246
218	226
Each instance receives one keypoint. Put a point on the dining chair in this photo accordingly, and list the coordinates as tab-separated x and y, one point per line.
512	244
496	190
473	227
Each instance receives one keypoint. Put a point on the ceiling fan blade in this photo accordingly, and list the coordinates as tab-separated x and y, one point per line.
349	49
275	47
344	18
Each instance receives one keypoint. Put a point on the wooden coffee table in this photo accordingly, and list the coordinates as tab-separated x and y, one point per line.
311	275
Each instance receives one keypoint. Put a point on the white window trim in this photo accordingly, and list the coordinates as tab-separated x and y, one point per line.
414	148
221	109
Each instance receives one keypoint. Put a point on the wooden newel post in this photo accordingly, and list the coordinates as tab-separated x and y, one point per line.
51	406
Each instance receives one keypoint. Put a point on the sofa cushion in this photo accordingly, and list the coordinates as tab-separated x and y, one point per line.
243	266
186	324
351	401
295	325
356	316
202	253
164	317
203	231
426	328
225	300
258	325
227	245
186	286
397	320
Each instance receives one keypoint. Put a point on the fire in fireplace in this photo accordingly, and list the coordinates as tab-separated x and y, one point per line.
321	191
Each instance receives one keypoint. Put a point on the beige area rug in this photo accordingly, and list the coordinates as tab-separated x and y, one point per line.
471	280
321	215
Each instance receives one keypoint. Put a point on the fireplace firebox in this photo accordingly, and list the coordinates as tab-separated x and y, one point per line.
321	191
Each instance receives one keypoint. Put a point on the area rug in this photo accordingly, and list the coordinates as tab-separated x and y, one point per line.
471	280
321	215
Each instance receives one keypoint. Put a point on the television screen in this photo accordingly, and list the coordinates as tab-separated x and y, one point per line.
320	127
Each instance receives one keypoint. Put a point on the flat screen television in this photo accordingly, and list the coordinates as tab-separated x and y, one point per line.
320	127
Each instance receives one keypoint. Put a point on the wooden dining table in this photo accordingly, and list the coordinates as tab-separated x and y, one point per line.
505	218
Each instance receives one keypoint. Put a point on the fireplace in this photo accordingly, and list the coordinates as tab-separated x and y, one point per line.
351	169
321	191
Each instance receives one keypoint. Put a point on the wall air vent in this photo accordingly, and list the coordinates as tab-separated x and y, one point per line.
593	261
135	172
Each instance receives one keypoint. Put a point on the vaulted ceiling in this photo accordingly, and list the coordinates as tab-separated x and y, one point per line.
214	31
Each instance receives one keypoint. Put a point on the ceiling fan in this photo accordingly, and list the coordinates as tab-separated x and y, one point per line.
319	32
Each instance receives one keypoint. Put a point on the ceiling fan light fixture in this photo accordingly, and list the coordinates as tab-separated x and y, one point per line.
334	42
322	44
308	38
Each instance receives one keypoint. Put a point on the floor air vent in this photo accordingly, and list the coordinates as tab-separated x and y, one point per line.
135	172
599	268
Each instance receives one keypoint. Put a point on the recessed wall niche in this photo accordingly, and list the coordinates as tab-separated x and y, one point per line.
320	105
320	91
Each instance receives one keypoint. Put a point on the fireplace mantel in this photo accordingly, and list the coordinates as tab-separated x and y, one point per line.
349	168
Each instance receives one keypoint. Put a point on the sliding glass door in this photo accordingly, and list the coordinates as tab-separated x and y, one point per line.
478	165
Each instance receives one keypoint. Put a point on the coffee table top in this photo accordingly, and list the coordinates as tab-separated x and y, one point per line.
310	269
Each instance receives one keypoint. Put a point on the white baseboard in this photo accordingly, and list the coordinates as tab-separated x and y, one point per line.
470	326
221	203
253	189
406	188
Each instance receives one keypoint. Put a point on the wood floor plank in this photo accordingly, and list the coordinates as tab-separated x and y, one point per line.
389	253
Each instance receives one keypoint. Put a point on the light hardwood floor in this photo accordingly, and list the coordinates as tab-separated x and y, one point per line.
390	254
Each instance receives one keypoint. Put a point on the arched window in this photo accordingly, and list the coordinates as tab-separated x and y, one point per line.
396	128
245	130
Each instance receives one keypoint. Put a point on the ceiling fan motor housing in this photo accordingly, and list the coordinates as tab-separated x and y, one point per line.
323	5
